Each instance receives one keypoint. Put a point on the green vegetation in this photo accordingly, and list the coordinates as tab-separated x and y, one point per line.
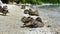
51	1
36	1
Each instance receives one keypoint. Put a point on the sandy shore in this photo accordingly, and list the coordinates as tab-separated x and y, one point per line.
11	24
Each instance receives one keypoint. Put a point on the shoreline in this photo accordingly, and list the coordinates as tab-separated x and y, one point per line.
11	23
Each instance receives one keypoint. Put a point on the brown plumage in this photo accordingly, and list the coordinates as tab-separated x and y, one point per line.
4	10
22	6
30	22
30	12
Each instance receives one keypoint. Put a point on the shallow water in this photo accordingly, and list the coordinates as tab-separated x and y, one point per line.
52	14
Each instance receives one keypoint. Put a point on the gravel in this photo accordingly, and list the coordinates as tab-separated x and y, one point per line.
11	24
